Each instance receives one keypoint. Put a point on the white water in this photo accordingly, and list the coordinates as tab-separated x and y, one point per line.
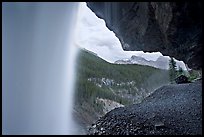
38	58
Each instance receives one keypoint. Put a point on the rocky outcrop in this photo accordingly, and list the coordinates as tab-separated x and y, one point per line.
130	91
182	79
172	28
108	105
171	110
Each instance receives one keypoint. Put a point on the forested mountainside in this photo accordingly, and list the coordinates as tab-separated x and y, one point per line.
102	86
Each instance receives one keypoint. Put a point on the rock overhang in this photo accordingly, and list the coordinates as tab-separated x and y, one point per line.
172	28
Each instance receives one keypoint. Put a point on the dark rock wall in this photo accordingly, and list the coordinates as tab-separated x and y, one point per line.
173	28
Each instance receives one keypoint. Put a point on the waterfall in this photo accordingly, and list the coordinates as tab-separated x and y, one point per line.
38	60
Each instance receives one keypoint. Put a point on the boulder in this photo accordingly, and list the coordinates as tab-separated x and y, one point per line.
182	79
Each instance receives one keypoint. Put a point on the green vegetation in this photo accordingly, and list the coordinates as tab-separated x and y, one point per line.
180	71
91	66
172	70
194	74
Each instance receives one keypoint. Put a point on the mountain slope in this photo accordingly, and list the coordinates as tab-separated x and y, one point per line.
124	84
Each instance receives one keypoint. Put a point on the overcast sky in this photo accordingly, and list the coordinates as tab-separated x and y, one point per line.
93	35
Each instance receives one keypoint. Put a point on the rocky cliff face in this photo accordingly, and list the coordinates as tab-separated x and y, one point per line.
173	28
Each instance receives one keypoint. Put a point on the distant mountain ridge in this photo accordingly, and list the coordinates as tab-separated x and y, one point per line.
162	62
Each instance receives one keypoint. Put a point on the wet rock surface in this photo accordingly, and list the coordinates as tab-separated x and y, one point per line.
172	28
171	110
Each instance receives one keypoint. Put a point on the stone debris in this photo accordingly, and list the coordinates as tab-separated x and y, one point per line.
170	110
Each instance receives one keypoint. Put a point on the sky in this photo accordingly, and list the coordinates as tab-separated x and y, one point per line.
93	35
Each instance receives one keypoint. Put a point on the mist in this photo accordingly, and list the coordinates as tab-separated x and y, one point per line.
38	58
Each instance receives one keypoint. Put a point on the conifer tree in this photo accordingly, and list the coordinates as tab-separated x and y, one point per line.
172	70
